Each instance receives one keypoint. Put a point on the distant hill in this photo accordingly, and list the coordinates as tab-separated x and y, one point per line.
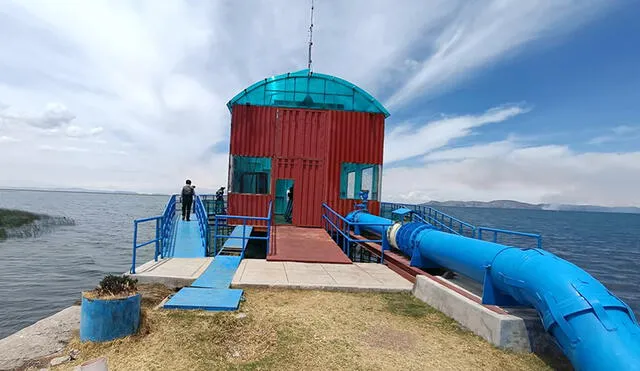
510	204
77	190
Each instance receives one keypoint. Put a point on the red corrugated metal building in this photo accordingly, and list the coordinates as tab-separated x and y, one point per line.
318	133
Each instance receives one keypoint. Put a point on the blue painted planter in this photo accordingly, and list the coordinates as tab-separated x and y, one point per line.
105	320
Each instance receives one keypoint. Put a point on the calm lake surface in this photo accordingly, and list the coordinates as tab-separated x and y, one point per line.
42	275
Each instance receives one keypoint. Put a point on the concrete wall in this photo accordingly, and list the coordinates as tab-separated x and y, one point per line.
502	330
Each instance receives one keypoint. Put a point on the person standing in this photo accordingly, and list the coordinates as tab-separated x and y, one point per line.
187	200
287	214
193	197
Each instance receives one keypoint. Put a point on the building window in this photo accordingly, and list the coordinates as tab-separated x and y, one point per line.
250	175
359	177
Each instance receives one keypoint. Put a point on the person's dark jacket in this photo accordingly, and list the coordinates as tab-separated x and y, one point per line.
187	191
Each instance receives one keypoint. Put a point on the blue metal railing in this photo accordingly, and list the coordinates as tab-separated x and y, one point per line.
450	224
496	231
435	217
226	218
203	223
156	240
168	224
338	226
163	232
213	206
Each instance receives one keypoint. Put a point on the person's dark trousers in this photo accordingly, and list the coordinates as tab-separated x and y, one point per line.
186	208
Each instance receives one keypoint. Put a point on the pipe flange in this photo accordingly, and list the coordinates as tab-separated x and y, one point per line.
391	234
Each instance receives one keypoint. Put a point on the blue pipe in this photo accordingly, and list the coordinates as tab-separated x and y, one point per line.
594	328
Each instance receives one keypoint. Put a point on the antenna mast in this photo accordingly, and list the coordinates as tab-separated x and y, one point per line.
310	37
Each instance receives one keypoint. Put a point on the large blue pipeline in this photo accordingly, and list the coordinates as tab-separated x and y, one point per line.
594	329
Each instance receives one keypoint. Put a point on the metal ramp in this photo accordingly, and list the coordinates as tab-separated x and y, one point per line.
237	241
211	290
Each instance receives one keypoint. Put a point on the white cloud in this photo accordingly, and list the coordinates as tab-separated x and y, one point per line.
62	149
482	33
54	116
8	139
618	133
408	140
504	170
131	95
80	132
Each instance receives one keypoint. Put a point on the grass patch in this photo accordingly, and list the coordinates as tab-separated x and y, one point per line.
14	219
405	304
302	330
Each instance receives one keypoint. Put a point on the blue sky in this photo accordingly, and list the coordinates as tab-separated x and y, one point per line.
534	101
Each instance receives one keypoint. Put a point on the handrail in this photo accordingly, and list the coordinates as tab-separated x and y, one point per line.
451	224
156	240
203	222
495	231
244	219
164	231
341	226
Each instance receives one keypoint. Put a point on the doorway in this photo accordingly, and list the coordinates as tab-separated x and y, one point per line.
282	186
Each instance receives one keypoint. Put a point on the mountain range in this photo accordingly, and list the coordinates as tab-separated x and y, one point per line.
510	204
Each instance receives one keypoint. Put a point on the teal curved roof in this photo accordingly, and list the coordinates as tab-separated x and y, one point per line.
303	89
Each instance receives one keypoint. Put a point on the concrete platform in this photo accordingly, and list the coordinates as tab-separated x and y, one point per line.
172	272
295	275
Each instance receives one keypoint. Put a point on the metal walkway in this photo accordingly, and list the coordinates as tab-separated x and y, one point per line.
211	290
187	242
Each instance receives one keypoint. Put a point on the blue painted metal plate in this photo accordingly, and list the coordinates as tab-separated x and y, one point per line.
188	243
219	273
205	299
237	232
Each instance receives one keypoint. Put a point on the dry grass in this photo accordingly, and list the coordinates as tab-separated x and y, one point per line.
305	330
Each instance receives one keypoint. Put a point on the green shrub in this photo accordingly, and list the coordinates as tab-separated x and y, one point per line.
113	285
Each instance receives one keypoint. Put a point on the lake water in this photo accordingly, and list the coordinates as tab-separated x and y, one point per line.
42	275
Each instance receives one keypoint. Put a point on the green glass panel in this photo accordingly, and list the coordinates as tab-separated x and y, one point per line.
308	90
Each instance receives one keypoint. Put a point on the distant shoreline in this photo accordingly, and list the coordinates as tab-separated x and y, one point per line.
82	191
496	204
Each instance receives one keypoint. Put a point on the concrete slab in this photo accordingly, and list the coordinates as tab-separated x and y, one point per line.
502	330
303	267
44	338
345	277
172	272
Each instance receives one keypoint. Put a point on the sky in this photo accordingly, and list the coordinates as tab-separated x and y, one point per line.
534	101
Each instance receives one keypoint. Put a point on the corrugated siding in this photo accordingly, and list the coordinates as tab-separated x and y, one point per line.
301	147
301	134
308	146
248	205
355	137
253	131
308	188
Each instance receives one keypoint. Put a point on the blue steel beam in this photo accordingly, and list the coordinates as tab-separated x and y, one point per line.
594	328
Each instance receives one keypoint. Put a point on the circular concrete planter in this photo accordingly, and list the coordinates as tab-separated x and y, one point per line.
109	319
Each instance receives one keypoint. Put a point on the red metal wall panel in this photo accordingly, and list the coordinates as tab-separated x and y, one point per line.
308	146
253	131
354	137
308	192
301	133
248	205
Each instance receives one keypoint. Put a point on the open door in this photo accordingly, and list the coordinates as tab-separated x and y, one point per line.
282	200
